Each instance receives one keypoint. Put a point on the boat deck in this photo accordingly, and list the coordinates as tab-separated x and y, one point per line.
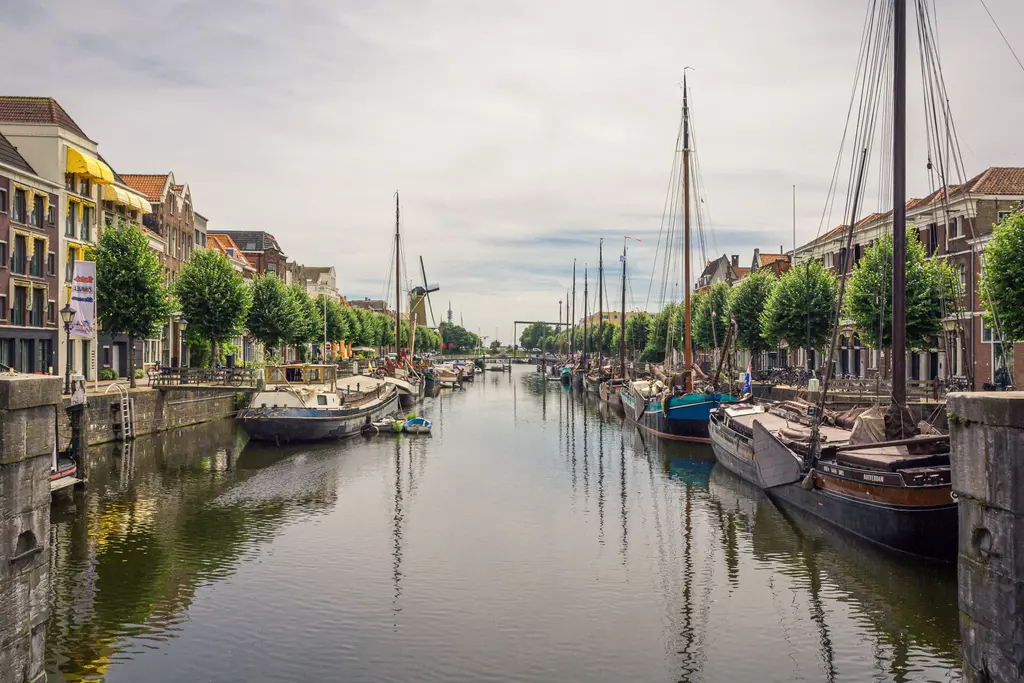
774	424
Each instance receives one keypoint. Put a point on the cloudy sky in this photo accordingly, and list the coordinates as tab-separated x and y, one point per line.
518	133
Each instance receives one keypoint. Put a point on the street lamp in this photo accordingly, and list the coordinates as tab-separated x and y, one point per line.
67	314
182	326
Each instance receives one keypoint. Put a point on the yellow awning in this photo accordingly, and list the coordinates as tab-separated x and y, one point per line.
113	193
89	166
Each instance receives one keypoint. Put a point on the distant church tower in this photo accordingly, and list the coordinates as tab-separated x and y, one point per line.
449	312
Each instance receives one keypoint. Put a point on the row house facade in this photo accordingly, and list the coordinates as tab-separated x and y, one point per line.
223	244
181	231
953	224
60	152
261	250
29	283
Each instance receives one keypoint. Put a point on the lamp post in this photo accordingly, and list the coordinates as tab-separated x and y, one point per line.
67	314
182	326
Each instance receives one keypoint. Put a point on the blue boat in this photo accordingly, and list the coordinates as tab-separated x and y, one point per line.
417	425
683	417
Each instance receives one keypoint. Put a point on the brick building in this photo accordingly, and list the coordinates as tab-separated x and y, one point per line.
173	219
953	224
261	250
29	286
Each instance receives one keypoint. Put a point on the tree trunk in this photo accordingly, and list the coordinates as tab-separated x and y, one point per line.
131	361
215	348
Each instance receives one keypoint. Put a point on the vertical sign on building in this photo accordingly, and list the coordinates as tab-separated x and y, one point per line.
83	300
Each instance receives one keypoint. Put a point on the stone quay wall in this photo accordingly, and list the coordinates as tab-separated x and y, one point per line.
987	438
28	406
156	410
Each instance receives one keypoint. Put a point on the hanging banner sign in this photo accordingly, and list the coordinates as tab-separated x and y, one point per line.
83	300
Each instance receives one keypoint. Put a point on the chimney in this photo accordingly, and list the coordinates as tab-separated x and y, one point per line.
735	260
781	250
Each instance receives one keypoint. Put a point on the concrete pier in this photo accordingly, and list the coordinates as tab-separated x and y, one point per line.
28	420
987	434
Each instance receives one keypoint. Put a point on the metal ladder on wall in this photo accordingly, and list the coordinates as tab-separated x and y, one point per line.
125	409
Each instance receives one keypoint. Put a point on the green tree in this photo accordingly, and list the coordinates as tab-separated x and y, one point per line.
708	331
747	301
337	322
130	293
533	335
352	325
1002	280
657	337
274	313
214	298
637	327
803	298
459	339
869	294
309	325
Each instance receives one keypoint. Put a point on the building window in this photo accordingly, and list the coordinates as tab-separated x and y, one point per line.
1003	215
36	318
956	228
272	268
3	254
72	219
3	315
84	187
19	255
51	312
69	270
18	309
69	182
171	203
51	215
86	231
51	264
35	218
3	201
38	251
18	207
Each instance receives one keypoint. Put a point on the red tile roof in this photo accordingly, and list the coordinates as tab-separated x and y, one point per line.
765	259
998	180
37	110
149	184
224	242
740	271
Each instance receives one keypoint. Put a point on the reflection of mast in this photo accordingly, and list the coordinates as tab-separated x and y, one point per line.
622	496
397	522
690	664
818	614
600	482
572	424
727	523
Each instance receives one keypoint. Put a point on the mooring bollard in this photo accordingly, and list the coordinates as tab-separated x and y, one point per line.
987	439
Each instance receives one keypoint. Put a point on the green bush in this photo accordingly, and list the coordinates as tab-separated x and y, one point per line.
108	373
139	373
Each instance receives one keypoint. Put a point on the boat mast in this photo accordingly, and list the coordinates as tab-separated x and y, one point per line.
622	320
398	278
899	207
572	328
687	360
600	303
584	316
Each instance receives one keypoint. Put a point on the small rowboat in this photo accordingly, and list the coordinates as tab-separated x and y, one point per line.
417	425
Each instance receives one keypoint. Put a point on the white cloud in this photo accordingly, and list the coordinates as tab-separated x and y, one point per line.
502	124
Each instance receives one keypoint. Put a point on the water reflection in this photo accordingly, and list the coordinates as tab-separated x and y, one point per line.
493	550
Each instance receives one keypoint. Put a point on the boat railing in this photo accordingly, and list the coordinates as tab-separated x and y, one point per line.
215	377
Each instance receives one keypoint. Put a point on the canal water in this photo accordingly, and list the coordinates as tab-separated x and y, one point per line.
533	537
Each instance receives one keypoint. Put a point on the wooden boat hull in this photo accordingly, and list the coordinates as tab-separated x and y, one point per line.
733	454
687	422
592	386
610	393
288	425
924	531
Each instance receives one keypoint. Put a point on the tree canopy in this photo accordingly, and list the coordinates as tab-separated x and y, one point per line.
868	301
459	339
637	326
657	335
274	313
130	292
213	296
533	335
708	331
747	301
1002	279
807	290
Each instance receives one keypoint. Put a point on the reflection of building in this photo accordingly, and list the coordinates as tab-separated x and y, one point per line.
954	230
28	266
